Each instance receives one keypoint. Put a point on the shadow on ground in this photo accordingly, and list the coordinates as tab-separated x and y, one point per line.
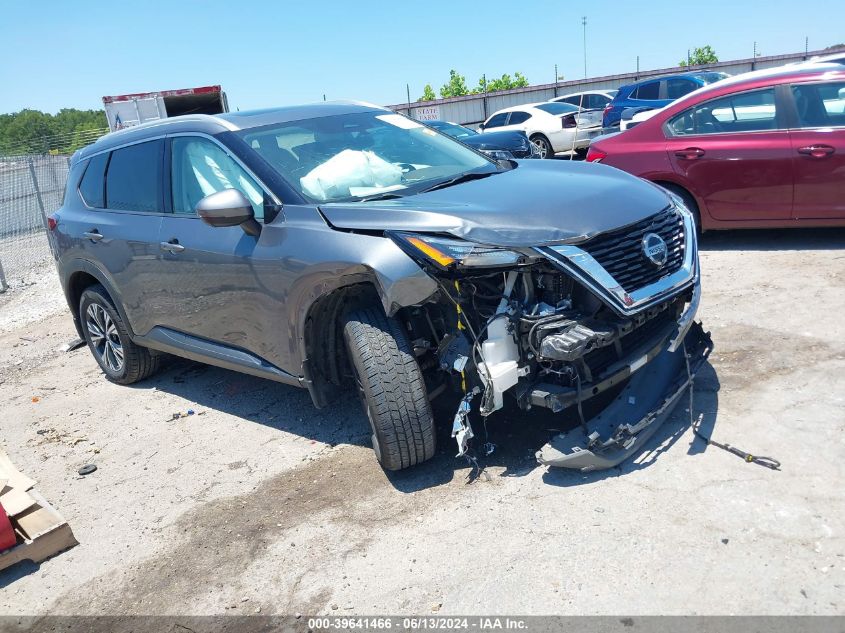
773	240
516	435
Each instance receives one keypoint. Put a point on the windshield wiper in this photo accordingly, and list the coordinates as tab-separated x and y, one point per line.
457	180
387	195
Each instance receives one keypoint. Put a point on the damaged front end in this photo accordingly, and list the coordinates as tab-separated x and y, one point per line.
553	326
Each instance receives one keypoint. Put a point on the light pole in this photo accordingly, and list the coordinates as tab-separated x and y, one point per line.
584	24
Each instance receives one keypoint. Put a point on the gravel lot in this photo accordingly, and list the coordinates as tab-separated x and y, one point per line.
260	502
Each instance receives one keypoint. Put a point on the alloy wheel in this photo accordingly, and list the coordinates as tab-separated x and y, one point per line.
105	339
540	144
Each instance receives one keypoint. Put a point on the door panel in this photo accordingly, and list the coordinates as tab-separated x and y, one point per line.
122	237
210	285
211	278
735	156
818	147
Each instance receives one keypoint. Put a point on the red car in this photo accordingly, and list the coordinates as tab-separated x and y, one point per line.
763	149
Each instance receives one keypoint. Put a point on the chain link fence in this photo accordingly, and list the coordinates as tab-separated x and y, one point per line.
32	184
31	187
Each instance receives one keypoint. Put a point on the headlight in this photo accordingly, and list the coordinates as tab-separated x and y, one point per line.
498	154
448	253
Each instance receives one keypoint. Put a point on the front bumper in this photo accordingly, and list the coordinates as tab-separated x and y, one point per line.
637	412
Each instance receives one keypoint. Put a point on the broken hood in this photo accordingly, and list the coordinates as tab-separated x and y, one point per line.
539	202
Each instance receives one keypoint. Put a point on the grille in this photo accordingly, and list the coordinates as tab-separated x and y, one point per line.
620	252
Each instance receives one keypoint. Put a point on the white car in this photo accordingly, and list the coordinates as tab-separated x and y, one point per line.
588	99
553	127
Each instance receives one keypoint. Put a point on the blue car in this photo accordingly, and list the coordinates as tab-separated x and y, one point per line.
654	93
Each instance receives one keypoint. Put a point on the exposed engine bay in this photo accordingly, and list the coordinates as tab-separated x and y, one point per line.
535	334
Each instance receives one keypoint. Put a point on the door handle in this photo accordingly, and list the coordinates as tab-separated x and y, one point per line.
173	246
690	153
816	151
94	235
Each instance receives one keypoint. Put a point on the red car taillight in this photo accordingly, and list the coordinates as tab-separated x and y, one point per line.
52	222
595	155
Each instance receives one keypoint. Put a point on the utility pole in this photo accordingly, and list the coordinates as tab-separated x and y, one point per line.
584	24
638	67
806	46
555	80
408	92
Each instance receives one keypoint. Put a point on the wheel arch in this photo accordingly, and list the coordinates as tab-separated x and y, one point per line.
82	274
670	183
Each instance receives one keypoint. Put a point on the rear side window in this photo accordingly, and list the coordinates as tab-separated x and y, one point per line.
820	105
498	120
677	88
91	186
651	90
133	180
744	112
518	117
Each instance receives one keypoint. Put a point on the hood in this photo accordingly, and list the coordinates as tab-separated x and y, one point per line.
498	140
539	202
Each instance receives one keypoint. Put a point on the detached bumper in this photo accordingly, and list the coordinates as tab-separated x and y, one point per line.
636	413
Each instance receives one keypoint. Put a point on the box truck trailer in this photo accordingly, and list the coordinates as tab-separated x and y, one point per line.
124	111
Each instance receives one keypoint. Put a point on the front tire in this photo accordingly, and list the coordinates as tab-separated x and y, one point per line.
108	339
543	146
391	387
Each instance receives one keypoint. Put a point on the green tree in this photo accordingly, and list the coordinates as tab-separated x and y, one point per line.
506	82
428	94
34	132
702	55
457	86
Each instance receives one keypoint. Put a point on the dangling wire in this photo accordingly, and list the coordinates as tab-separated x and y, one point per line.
768	462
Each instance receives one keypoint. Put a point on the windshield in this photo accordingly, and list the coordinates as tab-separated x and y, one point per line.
452	129
353	156
709	78
556	107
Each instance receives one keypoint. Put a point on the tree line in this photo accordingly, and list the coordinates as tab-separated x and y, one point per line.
457	85
36	132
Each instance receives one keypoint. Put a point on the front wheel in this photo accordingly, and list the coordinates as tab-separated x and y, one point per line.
391	387
543	146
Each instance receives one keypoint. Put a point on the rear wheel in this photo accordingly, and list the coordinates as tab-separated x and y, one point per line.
108	339
391	387
543	146
688	201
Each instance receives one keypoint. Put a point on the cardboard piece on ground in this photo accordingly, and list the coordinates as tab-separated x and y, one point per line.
15	501
14	478
41	531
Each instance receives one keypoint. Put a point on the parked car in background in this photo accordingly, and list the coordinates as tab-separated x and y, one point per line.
342	244
631	117
762	149
552	127
499	145
588	99
655	93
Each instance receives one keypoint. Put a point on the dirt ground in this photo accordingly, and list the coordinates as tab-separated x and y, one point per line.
260	503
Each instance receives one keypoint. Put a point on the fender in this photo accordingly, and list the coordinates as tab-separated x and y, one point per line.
79	265
672	178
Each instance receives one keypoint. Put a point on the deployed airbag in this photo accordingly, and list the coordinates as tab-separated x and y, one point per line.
350	169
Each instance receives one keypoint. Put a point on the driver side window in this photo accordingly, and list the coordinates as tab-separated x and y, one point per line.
200	167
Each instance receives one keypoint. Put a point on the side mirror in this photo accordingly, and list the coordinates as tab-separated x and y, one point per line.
481	127
229	207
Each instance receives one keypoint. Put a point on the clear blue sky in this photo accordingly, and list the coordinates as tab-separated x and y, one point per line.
56	54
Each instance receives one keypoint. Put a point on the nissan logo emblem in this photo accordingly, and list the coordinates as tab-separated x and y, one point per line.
654	249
